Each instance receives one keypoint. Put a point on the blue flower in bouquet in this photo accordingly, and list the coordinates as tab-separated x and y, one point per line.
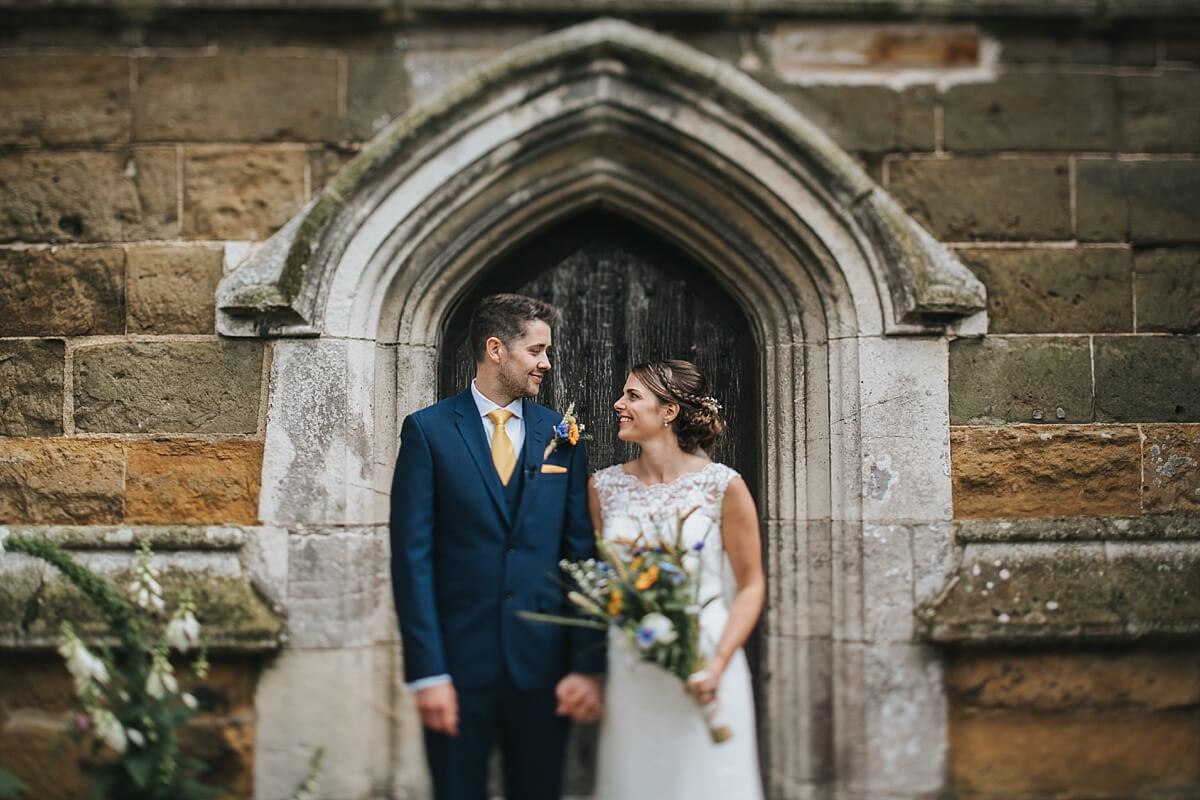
562	430
655	629
698	546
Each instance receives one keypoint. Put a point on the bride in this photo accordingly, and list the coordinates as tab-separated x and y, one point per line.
654	744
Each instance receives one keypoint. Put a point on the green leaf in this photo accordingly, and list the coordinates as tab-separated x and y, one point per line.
140	768
10	785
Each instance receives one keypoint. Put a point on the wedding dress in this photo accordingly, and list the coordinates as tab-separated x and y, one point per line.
654	744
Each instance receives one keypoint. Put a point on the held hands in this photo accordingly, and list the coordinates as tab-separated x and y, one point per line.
580	697
439	708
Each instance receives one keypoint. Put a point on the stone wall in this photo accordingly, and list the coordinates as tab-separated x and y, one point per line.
141	159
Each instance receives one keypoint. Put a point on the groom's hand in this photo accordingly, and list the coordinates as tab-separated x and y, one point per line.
580	697
439	708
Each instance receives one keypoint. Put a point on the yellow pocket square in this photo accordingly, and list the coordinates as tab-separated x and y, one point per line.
553	469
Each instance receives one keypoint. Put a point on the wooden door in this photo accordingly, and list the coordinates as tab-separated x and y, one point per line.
626	296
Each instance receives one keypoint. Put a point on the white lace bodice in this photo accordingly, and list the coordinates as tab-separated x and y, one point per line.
629	507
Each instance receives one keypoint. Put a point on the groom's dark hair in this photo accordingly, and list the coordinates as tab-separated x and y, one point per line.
505	316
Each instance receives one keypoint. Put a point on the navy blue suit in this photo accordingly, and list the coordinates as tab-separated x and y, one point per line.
468	553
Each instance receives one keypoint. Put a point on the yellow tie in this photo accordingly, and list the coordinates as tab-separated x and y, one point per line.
503	455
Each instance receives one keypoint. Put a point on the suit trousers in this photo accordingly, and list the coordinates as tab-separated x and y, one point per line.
531	737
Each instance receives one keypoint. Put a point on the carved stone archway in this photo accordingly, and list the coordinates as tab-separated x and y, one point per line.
848	298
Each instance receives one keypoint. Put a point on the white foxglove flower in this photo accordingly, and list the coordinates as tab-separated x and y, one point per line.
110	730
135	737
83	665
146	589
189	700
162	680
183	632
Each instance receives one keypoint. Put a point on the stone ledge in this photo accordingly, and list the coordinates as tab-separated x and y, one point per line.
1066	529
225	568
1071	9
1067	592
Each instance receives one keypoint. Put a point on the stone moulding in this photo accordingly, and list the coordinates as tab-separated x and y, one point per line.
281	290
238	608
1069	580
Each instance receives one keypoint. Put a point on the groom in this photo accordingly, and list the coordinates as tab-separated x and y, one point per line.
482	511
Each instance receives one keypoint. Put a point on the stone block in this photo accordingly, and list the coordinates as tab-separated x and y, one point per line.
1171	467
377	92
64	99
1051	290
73	196
1067	592
1138	201
232	98
1160	113
1167	287
1152	679
1047	43
962	199
1046	471
61	481
795	674
168	387
887	565
869	119
996	379
325	162
304	477
173	289
1147	378
339	589
1010	113
797	49
903	420
232	193
340	700
192	481
62	291
38	749
31	388
1116	754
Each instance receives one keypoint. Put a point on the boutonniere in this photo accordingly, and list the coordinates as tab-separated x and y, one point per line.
568	431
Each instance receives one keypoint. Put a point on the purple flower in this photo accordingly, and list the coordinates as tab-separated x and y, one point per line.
698	546
645	637
562	430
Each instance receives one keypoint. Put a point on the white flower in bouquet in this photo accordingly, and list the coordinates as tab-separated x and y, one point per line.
655	629
183	632
110	729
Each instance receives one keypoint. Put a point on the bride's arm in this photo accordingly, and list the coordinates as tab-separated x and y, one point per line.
593	504
739	532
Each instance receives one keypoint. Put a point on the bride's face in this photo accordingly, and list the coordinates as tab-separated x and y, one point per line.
640	415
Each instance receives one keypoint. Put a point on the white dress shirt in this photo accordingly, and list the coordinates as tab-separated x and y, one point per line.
515	427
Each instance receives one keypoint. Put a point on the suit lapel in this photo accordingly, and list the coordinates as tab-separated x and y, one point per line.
471	428
537	436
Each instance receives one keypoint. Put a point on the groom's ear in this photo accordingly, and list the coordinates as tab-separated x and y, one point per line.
493	349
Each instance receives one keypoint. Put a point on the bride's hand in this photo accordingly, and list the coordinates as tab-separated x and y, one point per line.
704	686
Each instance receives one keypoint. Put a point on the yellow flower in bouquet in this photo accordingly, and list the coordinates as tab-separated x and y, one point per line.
647	578
615	606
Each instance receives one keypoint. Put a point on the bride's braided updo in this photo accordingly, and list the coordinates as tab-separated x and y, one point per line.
699	422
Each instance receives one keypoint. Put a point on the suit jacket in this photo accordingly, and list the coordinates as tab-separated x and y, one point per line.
464	563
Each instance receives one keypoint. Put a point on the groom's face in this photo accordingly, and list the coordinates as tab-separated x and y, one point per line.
525	361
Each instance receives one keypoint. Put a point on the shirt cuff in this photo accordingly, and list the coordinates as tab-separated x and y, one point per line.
425	683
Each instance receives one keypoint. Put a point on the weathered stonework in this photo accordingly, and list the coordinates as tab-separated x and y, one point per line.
68	196
1050	290
168	387
260	99
1010	114
65	481
377	92
1171	472
173	289
1138	201
870	119
231	193
62	291
1160	113
192	482
1167	286
1045	471
995	380
31	388
56	100
963	199
1147	378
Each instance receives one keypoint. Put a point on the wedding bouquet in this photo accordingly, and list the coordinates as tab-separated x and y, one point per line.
649	591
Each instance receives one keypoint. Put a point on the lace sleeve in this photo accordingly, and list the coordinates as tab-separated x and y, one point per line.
608	488
721	478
